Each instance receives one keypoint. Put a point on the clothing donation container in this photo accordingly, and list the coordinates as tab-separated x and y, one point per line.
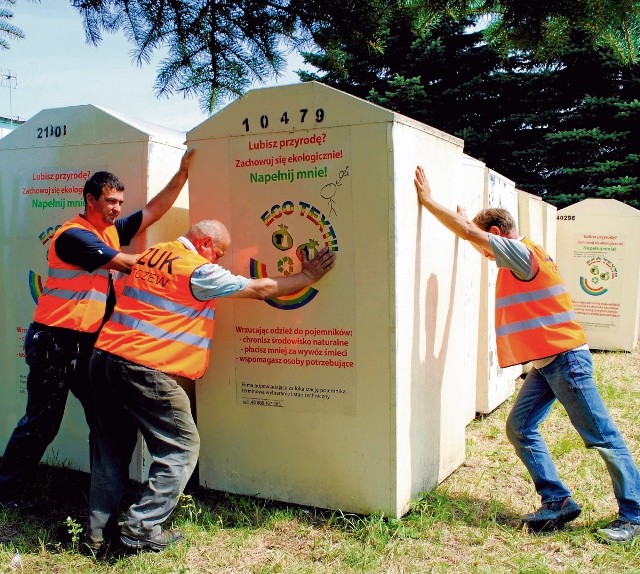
471	178
550	228
346	394
531	217
598	258
44	164
495	384
537	220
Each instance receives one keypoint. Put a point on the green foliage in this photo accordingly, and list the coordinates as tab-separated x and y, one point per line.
563	129
75	531
217	48
470	523
7	30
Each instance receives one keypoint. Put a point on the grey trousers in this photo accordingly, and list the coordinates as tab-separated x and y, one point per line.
128	398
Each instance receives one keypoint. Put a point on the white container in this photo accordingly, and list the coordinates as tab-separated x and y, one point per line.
537	220
598	258
495	384
471	176
345	395
531	217
44	164
550	228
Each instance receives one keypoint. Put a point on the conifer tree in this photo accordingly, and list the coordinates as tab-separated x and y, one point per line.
564	129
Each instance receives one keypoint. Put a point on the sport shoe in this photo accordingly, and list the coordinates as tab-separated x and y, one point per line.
155	542
619	531
552	515
95	550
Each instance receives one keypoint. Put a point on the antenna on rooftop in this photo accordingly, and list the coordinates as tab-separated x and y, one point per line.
8	79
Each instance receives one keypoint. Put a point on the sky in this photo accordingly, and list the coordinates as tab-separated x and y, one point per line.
54	67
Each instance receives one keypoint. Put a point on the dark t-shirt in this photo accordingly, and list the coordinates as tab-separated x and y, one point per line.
84	249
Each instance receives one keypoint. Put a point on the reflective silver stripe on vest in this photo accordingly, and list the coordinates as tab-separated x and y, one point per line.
530	296
166	305
158	333
76	295
73	273
547	321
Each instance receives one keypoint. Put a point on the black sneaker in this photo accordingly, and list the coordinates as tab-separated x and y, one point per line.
156	542
552	515
94	550
619	531
110	541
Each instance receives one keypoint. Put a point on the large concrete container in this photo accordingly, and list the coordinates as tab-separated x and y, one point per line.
344	395
598	258
531	217
537	220
43	166
471	177
550	228
495	384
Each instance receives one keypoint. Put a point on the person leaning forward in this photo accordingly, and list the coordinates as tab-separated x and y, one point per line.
76	299
535	321
158	338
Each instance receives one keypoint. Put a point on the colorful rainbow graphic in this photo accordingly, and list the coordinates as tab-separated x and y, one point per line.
589	290
35	285
295	300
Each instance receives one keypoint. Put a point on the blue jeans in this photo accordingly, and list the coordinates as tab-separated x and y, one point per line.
58	362
131	397
569	378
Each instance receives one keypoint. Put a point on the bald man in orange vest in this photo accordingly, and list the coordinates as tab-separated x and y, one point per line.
157	341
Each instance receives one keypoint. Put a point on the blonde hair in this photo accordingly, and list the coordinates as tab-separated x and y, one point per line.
497	216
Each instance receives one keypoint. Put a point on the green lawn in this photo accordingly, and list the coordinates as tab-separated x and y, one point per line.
469	524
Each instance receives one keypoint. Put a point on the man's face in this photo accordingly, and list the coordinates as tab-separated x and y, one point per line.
212	251
108	206
484	252
488	254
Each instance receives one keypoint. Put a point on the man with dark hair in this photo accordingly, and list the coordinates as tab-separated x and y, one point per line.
157	340
535	321
76	300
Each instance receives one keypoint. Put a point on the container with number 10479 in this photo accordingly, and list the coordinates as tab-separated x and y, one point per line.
345	394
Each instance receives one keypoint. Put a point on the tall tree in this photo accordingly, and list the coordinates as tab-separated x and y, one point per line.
216	48
564	129
8	31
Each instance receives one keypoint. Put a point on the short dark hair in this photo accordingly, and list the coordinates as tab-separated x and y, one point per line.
497	216
98	181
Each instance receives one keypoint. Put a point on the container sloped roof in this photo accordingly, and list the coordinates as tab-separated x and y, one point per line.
86	125
597	206
298	107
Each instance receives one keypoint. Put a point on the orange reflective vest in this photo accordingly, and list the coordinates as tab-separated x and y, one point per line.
535	318
157	321
74	298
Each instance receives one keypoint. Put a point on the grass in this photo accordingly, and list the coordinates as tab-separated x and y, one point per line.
468	524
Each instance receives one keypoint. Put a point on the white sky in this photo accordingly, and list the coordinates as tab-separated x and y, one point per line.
55	67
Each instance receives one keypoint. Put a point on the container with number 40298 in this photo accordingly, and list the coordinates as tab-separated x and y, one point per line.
44	164
598	257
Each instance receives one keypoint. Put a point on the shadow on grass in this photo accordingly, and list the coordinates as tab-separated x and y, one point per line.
62	493
58	517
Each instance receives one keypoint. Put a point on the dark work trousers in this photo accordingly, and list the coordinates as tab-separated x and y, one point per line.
58	362
132	397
